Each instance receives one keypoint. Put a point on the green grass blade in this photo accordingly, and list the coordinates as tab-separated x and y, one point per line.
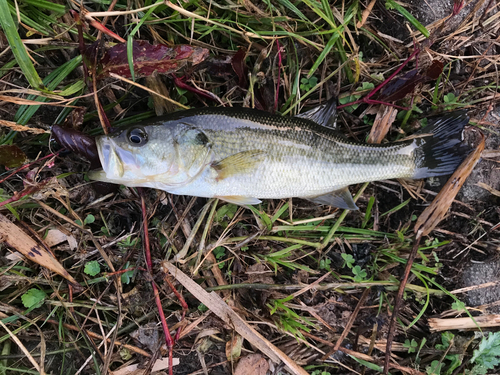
294	9
397	208
42	4
5	69
18	49
25	112
323	54
391	4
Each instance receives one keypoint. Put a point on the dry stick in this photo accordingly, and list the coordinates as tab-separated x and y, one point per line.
149	264
349	324
23	348
398	302
147	89
365	14
483	321
183	303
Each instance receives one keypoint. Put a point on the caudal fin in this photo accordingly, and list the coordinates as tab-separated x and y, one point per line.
441	153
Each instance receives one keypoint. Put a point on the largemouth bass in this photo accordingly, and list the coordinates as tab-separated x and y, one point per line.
244	155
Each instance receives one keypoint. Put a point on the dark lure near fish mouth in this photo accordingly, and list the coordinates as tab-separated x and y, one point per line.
244	155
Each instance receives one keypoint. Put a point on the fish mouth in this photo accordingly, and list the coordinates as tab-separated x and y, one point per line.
112	165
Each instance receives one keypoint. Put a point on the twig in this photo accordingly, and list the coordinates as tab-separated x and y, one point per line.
349	324
149	263
398	302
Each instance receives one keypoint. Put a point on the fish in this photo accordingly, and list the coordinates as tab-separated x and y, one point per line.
242	155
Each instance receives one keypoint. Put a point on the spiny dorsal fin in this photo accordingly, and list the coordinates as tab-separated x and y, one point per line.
324	114
340	198
242	162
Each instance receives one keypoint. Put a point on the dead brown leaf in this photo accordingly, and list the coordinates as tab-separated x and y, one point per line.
15	238
160	364
233	348
253	364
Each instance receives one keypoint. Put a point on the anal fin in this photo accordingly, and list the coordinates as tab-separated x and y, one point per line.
240	200
340	198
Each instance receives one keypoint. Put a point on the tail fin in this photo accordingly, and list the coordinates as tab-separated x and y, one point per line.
441	153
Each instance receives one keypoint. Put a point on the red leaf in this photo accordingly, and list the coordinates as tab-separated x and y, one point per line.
239	67
400	87
148	58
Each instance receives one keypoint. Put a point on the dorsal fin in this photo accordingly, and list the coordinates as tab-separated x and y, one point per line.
324	114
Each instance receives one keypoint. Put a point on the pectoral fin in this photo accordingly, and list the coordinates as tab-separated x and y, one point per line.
325	114
240	200
242	162
340	198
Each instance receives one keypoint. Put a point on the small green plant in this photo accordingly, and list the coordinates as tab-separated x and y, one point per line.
225	214
307	84
324	264
348	260
105	231
352	98
434	368
451	101
487	356
128	243
446	343
127	276
92	268
279	258
33	298
287	319
458	306
411	345
219	253
359	274
320	372
89	219
202	308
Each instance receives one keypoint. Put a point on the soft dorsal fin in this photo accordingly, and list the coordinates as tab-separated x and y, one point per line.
242	162
340	198
324	114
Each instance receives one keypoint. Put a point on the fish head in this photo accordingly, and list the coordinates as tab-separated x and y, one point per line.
155	155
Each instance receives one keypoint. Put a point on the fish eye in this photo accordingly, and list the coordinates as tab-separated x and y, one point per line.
137	137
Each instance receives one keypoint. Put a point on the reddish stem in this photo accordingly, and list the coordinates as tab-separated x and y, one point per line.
149	264
179	82
29	165
367	100
183	304
279	76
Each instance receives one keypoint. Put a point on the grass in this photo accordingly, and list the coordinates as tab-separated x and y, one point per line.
293	269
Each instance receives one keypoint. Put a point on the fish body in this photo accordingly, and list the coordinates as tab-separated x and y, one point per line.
244	155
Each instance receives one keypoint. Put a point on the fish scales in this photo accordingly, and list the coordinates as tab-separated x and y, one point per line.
302	158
